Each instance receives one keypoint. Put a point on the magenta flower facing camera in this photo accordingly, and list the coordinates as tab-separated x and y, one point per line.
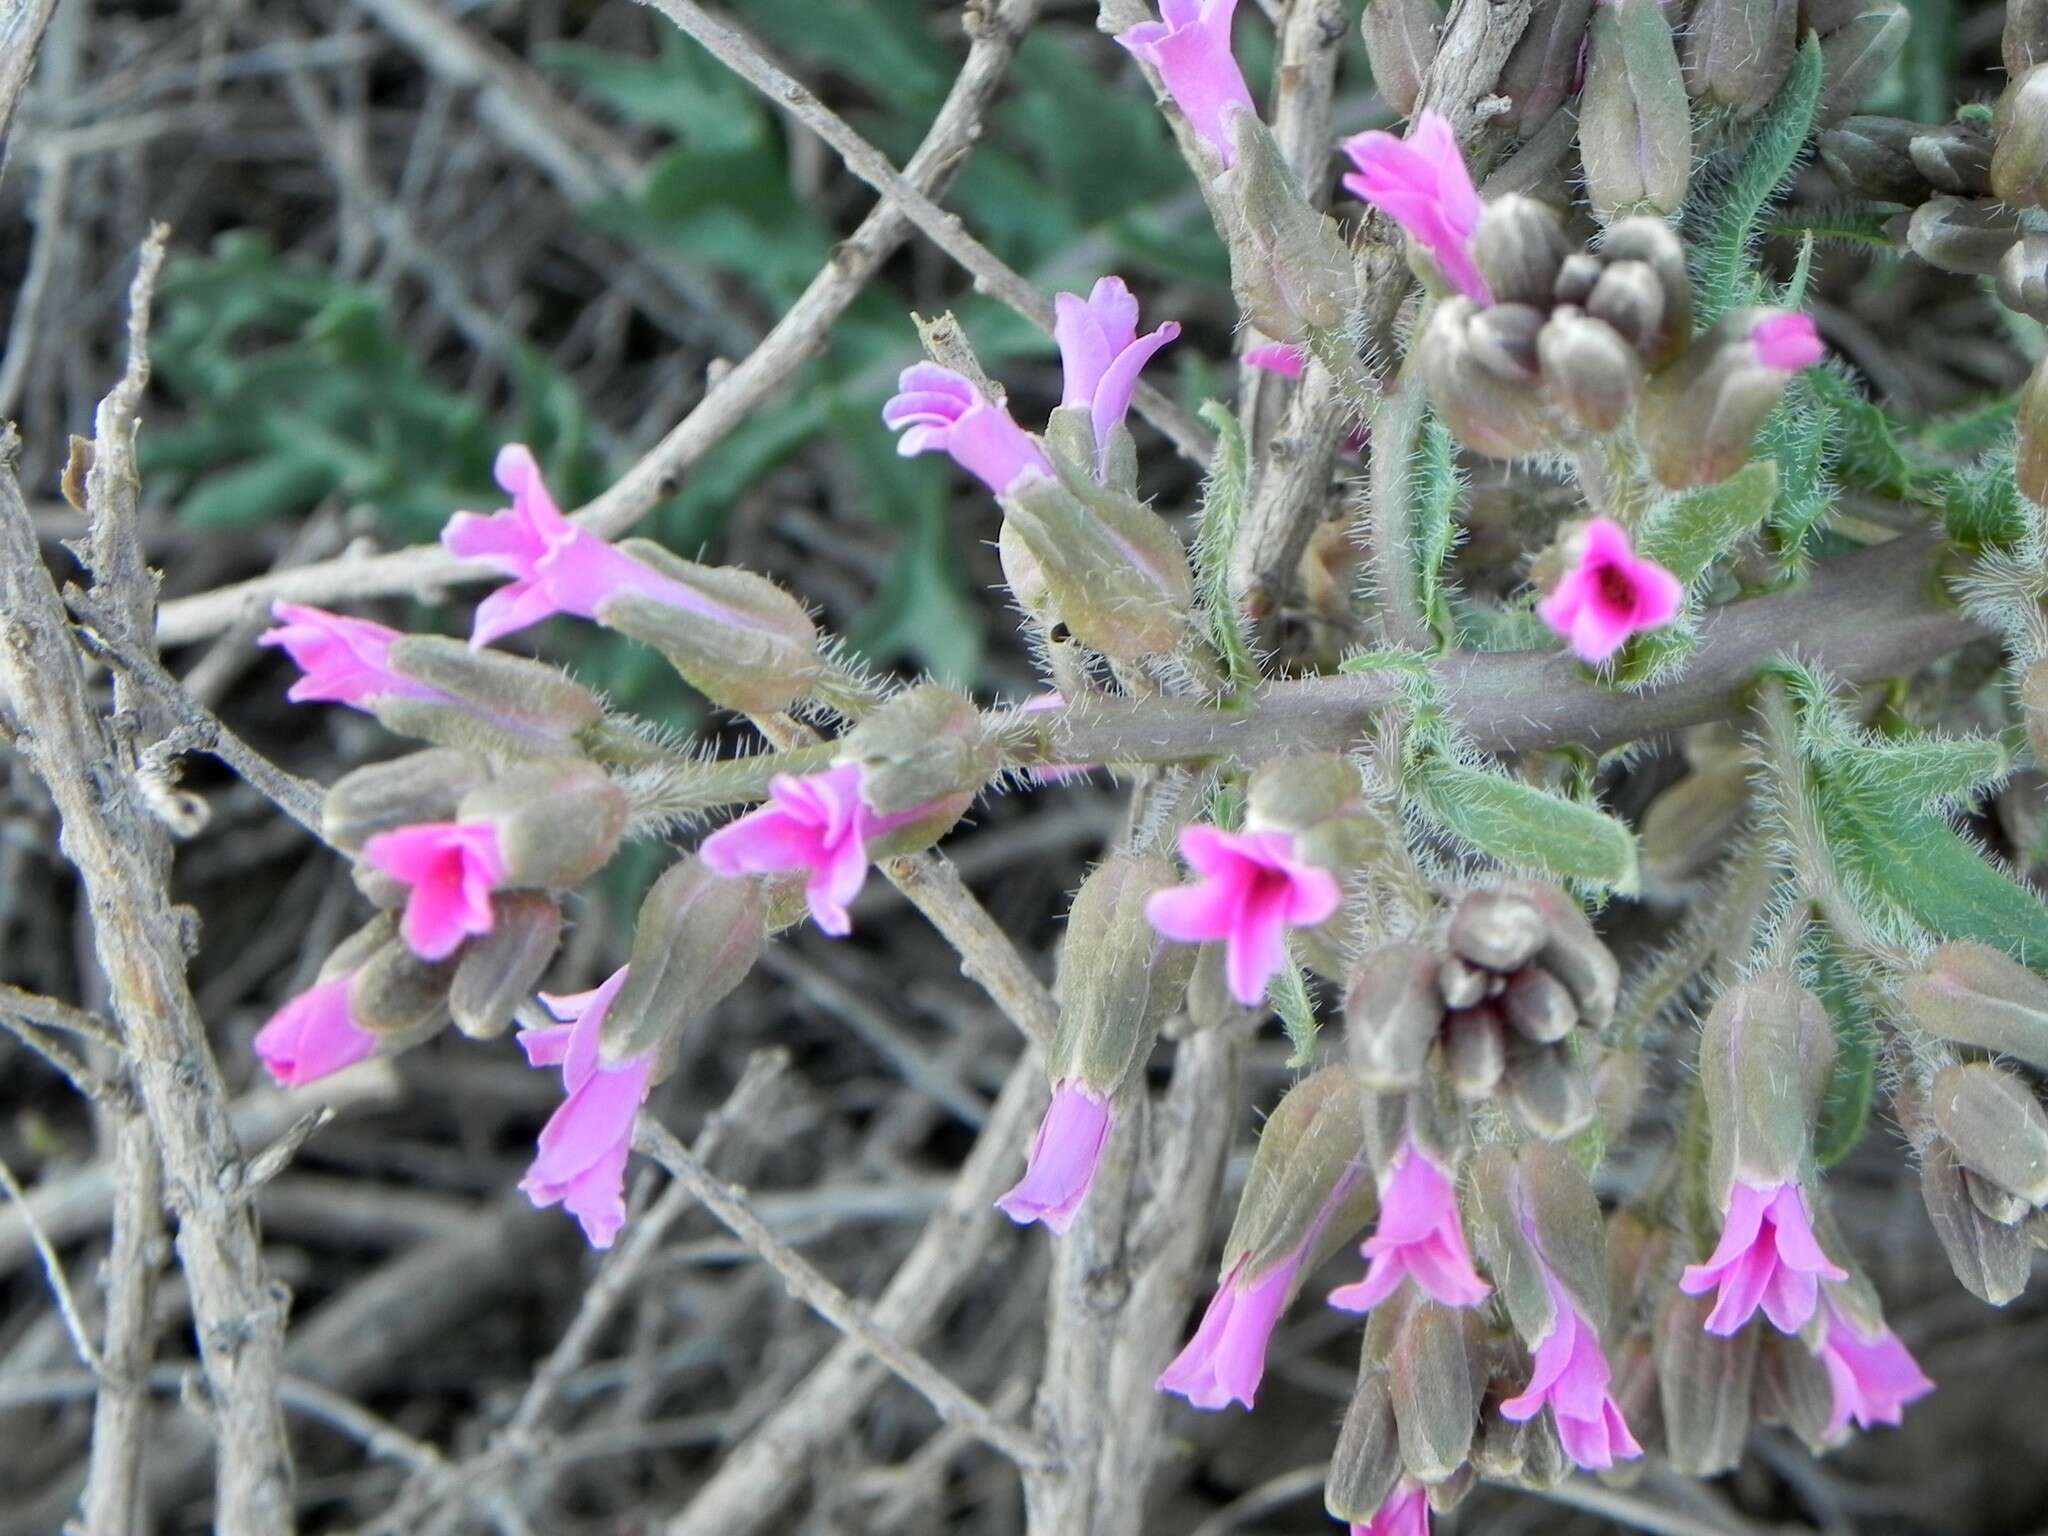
1251	891
1610	595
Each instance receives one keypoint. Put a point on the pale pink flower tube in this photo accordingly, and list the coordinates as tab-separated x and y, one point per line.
313	1036
1571	1379
556	566
1419	1237
1421	183
1064	1156
1405	1513
1610	595
580	1163
1190	47
1102	354
818	824
345	660
940	411
1768	1257
1251	891
1874	1376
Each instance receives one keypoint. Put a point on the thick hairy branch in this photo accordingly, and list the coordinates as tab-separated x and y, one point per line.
1876	613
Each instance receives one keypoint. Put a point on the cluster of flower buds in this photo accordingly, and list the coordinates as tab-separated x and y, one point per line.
468	847
1502	1003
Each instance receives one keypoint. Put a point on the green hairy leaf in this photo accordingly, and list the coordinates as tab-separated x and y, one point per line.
1726	221
1527	827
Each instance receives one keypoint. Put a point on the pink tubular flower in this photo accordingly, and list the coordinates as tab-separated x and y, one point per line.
1405	1513
1767	1258
1571	1379
1284	358
1787	341
1252	891
1102	354
1873	1374
817	823
1191	50
581	1161
346	661
1064	1155
556	566
1421	183
1419	1236
940	411
1226	1359
313	1036
452	867
1611	594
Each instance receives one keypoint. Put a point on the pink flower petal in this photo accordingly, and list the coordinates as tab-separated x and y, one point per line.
313	1036
1421	183
1191	49
452	868
1063	1160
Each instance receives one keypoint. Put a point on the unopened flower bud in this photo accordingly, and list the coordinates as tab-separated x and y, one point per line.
1699	417
499	970
1737	53
696	939
1463	984
1589	369
1365	1466
1792	1389
557	823
740	640
1548	1090
1475	1051
1572	951
923	746
1539	71
1635	123
1115	573
2019	165
484	701
419	787
1765	1058
2023	277
1873	157
1538	1006
1485	412
1289	266
1119	980
1306	1195
1859	42
1580	271
1520	246
1503	341
1651	243
1960	234
397	993
2030	465
1993	1259
1979	996
1992	1202
1956	157
1706	1385
1392	1015
1499	929
1400	44
1435	1373
1996	1126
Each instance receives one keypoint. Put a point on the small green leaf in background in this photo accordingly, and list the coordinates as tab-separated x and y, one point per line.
1688	533
1223	498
